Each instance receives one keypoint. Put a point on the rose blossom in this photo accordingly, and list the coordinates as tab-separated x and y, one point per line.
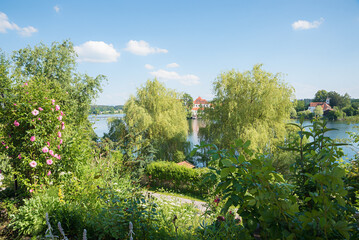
19	156
61	141
57	107
51	153
49	173
35	112
62	113
45	150
31	190
2	143
40	108
7	147
48	143
16	123
58	146
62	127
59	134
33	164
14	104
60	118
49	162
32	138
53	101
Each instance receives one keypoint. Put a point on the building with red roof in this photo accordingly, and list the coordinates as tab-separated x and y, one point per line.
325	105
199	104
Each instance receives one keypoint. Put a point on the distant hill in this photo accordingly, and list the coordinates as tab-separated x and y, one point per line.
105	109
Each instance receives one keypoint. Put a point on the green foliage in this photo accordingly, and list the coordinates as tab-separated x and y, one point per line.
157	112
253	105
102	109
311	205
300	105
307	114
187	102
32	123
318	111
320	96
178	177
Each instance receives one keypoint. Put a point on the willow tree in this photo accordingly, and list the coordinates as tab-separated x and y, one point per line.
254	105
158	113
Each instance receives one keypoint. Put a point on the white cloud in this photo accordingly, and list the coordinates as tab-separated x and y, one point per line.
304	25
187	80
57	9
172	65
5	25
143	48
96	51
149	66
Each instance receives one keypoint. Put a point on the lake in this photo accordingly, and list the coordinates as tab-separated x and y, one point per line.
100	127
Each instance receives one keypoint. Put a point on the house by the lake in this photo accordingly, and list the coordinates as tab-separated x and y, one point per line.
325	106
199	104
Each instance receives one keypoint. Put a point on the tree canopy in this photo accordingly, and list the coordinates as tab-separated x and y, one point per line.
158	111
253	105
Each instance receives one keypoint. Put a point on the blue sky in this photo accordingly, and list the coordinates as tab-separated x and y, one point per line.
186	44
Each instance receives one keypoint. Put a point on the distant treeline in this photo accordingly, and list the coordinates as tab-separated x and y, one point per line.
101	109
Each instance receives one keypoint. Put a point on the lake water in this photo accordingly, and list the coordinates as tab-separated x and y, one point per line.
100	127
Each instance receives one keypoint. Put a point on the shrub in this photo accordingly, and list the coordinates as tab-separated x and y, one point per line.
174	176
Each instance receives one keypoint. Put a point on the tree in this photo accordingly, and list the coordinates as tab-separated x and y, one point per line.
318	111
253	105
159	113
320	96
300	105
187	102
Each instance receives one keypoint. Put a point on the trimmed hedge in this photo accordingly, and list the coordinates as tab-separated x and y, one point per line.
177	177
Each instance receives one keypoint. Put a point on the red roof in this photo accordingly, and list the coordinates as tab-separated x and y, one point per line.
324	105
186	164
200	100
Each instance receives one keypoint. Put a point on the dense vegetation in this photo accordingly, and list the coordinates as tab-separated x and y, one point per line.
105	109
265	179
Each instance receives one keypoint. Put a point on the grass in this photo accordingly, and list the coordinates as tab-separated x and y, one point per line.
170	192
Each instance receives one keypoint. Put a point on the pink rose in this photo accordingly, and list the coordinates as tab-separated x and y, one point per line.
39	119
19	156
41	109
56	156
62	113
49	173
26	84
3	143
31	190
59	134
60	118
58	146
62	123
35	112
62	127
32	138
49	162
59	157
53	101
51	152
48	143
16	123
33	164
45	150
61	141
7	147
57	107
14	104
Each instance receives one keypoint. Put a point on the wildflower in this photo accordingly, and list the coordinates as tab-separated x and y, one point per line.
33	164
62	123
59	134
35	112
32	139
62	127
45	149
14	104
40	108
53	101
48	143
57	107
60	118
62	113
16	123
56	156
39	119
59	157
58	146
61	141
26	84
7	147
49	162
51	152
49	173
19	156
31	190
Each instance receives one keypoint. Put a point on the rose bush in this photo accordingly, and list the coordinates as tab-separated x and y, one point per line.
31	133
